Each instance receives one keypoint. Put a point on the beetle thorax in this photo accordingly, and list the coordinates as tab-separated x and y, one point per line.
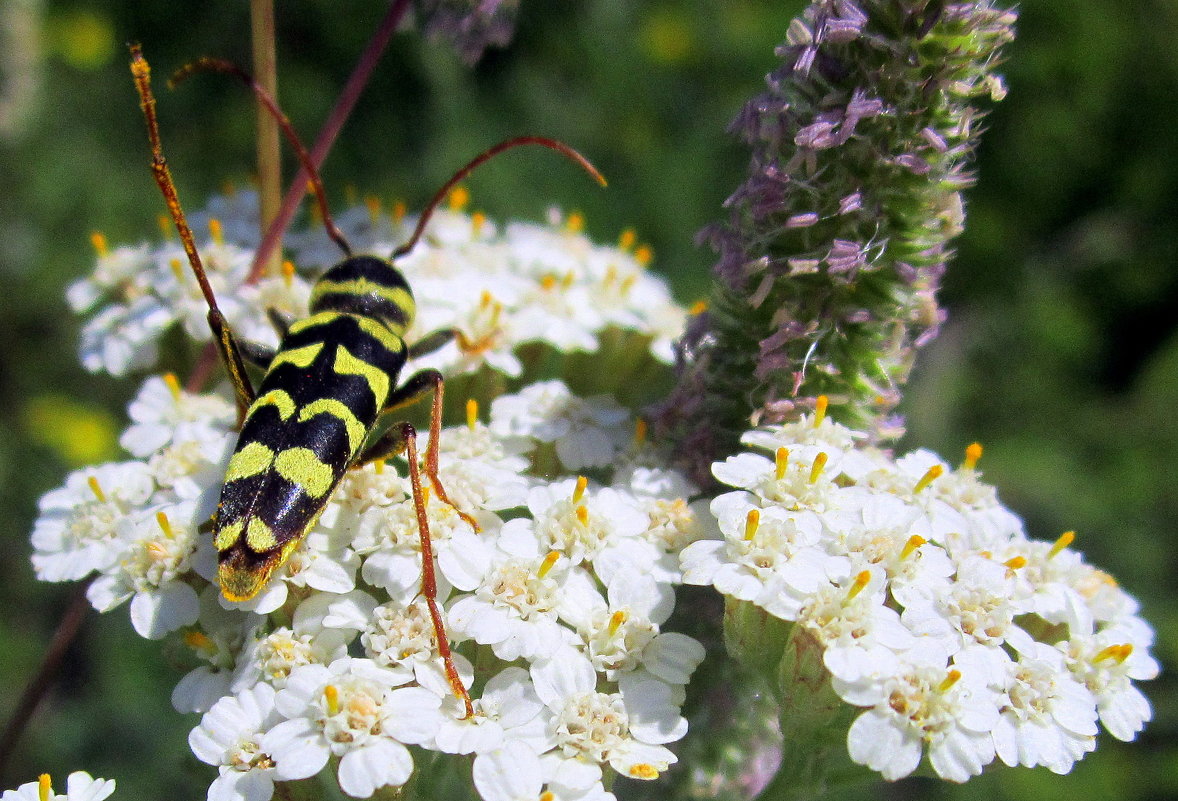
368	286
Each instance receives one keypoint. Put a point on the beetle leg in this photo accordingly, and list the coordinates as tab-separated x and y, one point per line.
433	341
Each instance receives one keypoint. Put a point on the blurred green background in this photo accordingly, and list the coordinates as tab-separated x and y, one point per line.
1061	354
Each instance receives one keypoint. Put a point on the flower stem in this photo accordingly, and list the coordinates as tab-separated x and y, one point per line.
262	35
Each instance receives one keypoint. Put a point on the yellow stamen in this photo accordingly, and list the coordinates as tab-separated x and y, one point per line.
96	489
1016	562
459	197
374	206
583	515
216	233
199	641
820	409
331	696
697	308
819	466
399	211
548	562
752	522
579	490
640	431
379	465
611	274
972	454
627	284
643	255
165	525
547	795
861	581
575	224
1065	539
782	463
548	282
425	491
914	542
933	473
173	385
477	221
952	678
165	225
177	269
288	271
644	770
568	280
44	787
1114	653
627	239
472	413
98	240
616	620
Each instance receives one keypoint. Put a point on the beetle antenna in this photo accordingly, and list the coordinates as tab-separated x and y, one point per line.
224	67
487	155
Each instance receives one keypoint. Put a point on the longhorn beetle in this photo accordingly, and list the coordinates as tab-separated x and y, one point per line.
325	389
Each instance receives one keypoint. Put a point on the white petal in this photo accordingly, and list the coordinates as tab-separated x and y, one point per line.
378	763
510	773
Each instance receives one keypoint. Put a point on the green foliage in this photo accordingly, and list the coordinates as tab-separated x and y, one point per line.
1060	354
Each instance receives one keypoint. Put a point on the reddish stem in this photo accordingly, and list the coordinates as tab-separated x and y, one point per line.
331	128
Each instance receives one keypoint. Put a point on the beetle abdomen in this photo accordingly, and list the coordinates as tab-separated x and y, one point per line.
315	407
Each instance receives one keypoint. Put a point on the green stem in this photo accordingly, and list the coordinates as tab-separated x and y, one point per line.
269	155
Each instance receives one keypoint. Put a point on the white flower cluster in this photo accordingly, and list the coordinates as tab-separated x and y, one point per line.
934	611
500	288
560	597
80	786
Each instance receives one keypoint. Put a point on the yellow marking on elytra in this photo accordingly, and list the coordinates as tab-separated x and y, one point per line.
378	380
698	308
381	332
1065	539
98	242
861	581
1114	653
288	272
338	409
914	542
331	698
321	318
96	488
820	406
931	475
752	522
398	296
374	206
44	787
579	489
575	223
216	232
627	239
547	564
228	535
644	255
459	197
781	463
259	537
972	454
165	525
616	620
472	413
299	357
164	222
173	385
950	679
252	459
644	770
300	466
177	267
1016	562
818	466
279	399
